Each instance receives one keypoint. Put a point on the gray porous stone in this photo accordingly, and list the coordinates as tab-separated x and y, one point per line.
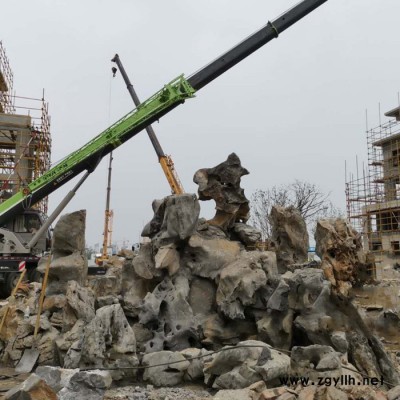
289	236
222	184
238	284
170	374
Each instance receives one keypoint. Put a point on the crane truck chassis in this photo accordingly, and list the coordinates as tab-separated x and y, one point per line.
14	249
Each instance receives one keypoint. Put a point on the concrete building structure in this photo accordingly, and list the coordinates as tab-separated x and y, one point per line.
373	200
25	139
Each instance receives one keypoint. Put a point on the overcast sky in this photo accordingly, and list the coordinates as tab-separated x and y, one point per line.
295	109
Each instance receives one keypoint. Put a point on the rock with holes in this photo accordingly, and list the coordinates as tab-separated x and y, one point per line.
167	310
222	184
170	373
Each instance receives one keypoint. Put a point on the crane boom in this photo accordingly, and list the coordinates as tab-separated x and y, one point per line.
165	100
108	212
165	161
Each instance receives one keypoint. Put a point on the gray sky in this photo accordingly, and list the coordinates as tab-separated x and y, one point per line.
293	110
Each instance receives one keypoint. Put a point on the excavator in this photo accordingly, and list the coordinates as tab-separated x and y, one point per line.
19	251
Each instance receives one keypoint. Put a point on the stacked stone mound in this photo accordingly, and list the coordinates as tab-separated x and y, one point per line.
195	304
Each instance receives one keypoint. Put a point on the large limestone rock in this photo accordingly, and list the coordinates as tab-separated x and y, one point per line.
249	362
56	377
219	331
69	234
170	374
207	257
247	234
238	284
333	320
222	184
68	260
340	249
88	385
289	236
108	340
175	219
197	358
202	296
79	305
169	314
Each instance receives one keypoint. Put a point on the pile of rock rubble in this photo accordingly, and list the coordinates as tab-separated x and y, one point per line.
200	303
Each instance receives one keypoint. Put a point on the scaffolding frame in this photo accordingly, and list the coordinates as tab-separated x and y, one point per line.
25	139
373	199
6	83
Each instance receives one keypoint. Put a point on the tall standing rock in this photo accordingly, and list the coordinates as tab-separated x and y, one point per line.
289	235
222	183
340	249
175	219
69	262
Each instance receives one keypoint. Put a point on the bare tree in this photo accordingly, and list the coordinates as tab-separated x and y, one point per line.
312	203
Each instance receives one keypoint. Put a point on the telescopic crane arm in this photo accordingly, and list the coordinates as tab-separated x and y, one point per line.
161	103
166	161
108	212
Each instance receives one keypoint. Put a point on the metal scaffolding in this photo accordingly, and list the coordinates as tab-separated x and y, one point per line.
373	196
6	83
25	139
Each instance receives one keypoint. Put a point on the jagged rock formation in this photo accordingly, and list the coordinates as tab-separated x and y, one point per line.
222	184
68	253
340	249
198	301
289	237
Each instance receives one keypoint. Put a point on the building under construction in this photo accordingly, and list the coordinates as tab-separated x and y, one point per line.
25	140
373	196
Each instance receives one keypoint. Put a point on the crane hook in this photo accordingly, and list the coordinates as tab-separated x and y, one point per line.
114	71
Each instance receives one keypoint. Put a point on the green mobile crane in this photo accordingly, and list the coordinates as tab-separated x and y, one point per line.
15	249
